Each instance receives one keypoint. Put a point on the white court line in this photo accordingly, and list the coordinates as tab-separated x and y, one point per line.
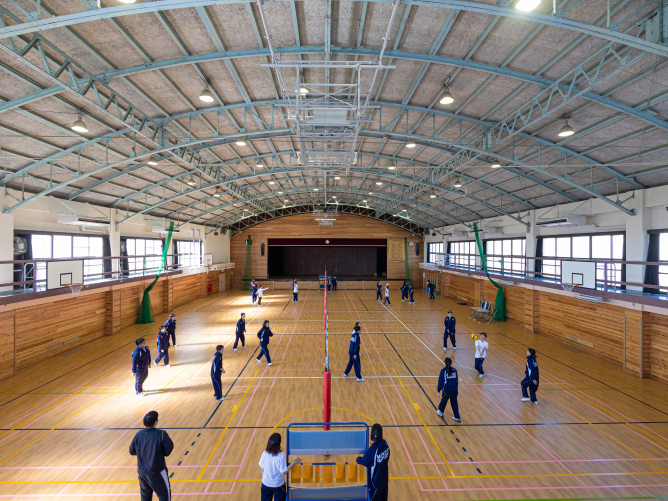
319	377
409	330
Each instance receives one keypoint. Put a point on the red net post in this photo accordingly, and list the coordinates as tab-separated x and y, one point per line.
326	398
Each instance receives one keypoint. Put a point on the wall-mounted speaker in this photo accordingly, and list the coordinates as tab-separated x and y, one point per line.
261	249
417	249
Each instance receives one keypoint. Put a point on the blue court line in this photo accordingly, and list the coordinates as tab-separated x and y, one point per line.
230	388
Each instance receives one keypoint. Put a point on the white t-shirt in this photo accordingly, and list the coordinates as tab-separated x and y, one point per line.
387	292
259	291
294	288
481	348
273	468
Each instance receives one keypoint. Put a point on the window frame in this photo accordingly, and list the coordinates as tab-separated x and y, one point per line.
93	265
440	251
511	263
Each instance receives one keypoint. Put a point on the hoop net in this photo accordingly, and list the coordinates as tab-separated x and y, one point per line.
568	287
326	374
76	288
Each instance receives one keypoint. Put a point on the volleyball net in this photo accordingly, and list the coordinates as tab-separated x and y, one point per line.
326	373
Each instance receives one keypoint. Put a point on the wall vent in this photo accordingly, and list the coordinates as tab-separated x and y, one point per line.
578	340
506	282
63	343
463	274
591	299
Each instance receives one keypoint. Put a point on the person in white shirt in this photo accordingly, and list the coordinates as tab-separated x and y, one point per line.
259	293
481	346
294	291
274	468
387	295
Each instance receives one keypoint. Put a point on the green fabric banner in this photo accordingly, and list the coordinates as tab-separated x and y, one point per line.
500	300
145	314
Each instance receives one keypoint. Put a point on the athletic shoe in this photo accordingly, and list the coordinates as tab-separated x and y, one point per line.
482	375
526	400
536	402
234	349
143	393
345	375
176	346
269	363
156	362
458	420
220	399
167	365
439	413
243	346
445	347
360	379
138	394
454	347
258	360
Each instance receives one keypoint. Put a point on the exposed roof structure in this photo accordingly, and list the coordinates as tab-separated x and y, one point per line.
134	74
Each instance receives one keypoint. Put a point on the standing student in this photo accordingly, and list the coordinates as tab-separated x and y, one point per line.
163	346
334	283
432	289
240	332
263	335
450	326
274	468
216	371
295	290
354	353
141	363
253	290
151	445
404	291
376	460
429	288
259	289
379	293
481	346
531	377
410	293
448	386
329	283
170	324
387	295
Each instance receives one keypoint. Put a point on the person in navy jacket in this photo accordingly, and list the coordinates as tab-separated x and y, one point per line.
531	377
216	371
354	353
263	335
334	284
141	363
410	293
448	386
450	326
240	333
404	291
170	324
377	460
379	292
163	346
253	290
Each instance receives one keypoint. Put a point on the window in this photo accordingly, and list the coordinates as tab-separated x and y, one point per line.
68	247
506	256
188	253
463	254
434	252
663	256
144	247
591	247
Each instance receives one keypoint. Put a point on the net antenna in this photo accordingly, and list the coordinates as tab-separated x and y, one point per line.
326	373
76	288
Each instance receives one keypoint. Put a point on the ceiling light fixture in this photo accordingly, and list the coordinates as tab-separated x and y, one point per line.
206	95
286	200
241	142
379	183
271	182
391	167
432	194
217	195
316	189
447	97
495	164
153	160
527	5
404	210
79	125
280	192
363	201
303	91
337	178
458	183
127	1
411	144
371	193
565	131
334	196
259	165
191	181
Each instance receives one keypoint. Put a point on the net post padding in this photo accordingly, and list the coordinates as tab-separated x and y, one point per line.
326	374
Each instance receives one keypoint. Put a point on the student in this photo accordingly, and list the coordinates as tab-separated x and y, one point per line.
273	467
253	290
163	346
379	294
481	346
354	353
170	324
258	291
263	335
329	283
531	377
432	289
334	282
141	363
404	290
410	293
240	333
216	371
295	291
387	295
450	325
429	288
376	460
151	446
448	385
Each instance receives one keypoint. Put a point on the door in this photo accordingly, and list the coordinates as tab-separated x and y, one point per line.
221	282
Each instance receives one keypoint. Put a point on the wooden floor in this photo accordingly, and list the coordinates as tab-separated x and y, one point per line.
596	432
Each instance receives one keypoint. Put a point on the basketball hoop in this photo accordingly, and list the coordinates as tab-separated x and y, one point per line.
568	287
76	288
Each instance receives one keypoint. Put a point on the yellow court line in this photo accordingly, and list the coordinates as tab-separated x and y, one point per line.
452	473
234	413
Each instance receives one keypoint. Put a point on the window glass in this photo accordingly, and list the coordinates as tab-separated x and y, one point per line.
617	246
564	247
62	246
601	247
581	247
549	247
517	247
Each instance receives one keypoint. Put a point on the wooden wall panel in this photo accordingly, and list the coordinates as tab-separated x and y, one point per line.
187	289
346	226
531	311
54	328
113	313
168	296
130	302
212	279
632	348
659	347
157	296
461	288
7	347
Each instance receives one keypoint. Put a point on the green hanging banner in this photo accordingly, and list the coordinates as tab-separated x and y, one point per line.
500	301
145	314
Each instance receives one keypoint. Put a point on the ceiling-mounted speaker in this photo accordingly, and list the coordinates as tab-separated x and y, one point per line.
417	249
261	249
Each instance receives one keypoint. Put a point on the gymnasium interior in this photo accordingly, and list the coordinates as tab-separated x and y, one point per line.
383	162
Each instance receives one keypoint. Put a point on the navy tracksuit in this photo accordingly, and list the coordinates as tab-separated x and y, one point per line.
334	282
531	374
450	327
379	293
354	349
151	445
376	460
171	330
163	344
263	335
241	329
450	387
253	289
410	293
141	360
216	371
404	292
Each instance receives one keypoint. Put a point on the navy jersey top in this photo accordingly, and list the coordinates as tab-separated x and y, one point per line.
241	326
449	384
217	364
141	358
376	460
450	324
171	326
354	348
531	370
151	445
378	288
163	341
264	334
